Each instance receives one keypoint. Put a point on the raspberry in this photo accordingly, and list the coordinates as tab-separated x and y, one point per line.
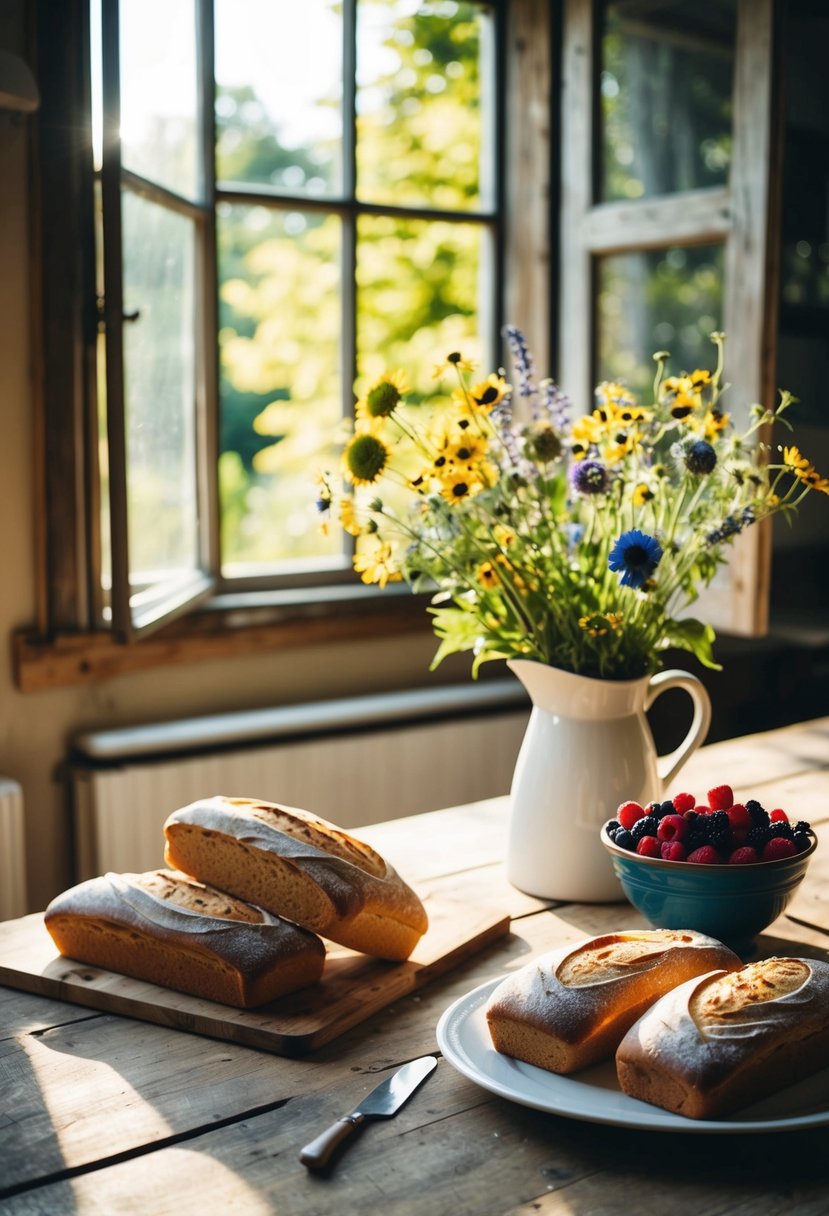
777	848
738	817
683	803
628	813
778	816
673	850
744	856
720	798
703	809
672	827
705	856
648	846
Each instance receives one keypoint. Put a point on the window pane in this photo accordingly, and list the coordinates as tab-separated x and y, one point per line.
281	398
423	288
666	75
279	94
159	93
422	124
159	254
664	299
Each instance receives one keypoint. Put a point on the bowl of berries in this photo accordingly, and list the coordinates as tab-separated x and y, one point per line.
721	867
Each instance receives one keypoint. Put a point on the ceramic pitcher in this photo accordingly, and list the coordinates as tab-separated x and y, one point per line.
587	747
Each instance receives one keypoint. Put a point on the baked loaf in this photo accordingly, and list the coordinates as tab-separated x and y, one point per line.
300	867
168	929
571	1008
722	1041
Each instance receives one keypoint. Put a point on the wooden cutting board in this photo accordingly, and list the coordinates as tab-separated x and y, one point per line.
353	986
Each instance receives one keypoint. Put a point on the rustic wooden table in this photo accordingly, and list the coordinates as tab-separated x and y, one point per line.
106	1114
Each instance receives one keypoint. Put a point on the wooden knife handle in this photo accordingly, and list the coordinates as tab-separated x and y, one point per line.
319	1152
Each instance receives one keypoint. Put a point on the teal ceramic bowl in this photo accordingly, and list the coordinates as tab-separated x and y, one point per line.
730	903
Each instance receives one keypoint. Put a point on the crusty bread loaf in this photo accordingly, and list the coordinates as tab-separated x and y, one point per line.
166	928
299	866
722	1041
570	1008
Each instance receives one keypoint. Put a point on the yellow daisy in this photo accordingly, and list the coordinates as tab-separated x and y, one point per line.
376	565
348	516
383	397
804	470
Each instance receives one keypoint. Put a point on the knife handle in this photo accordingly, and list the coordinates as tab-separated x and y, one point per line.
319	1152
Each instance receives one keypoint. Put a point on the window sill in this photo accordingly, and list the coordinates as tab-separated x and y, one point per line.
230	626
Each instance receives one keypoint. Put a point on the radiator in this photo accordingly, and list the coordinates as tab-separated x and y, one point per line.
355	761
12	851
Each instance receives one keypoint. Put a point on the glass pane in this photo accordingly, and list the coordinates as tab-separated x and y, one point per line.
159	93
666	76
663	299
159	374
281	397
423	90
279	94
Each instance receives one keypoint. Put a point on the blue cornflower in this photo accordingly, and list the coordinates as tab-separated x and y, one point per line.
589	477
637	555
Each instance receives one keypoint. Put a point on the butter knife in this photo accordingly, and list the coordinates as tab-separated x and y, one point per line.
384	1101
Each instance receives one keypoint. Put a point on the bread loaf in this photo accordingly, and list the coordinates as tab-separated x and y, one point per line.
300	867
168	929
722	1041
571	1008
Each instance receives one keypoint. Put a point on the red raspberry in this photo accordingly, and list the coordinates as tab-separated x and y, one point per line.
703	809
628	813
779	847
721	797
778	816
705	855
745	856
683	803
672	827
673	850
739	817
648	846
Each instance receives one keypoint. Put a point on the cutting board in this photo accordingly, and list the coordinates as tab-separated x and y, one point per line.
352	988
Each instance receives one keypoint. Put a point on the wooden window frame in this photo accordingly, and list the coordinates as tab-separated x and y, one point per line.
62	647
743	216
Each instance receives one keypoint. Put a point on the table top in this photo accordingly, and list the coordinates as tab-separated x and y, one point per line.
105	1114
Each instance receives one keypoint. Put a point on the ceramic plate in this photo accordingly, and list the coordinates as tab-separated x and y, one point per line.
594	1094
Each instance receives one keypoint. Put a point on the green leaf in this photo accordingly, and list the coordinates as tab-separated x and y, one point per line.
693	636
458	630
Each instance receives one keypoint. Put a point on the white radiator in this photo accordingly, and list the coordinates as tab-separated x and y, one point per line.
354	761
12	851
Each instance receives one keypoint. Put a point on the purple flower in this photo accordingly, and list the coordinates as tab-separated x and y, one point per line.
589	477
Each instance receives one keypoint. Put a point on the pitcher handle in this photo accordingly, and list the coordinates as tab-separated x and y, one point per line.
669	765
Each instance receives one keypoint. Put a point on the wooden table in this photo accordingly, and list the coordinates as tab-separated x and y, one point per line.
105	1114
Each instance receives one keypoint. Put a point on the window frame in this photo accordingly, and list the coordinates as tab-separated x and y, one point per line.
65	645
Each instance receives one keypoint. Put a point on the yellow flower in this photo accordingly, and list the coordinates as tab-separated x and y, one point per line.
383	397
376	565
455	360
487	575
642	494
611	393
365	458
348	516
460	484
804	470
597	624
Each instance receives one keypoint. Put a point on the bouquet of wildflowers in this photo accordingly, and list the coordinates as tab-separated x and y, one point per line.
575	541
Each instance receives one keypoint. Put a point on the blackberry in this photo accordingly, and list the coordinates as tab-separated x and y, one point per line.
781	828
759	815
624	839
612	827
696	840
802	826
666	808
802	840
646	826
690	815
758	836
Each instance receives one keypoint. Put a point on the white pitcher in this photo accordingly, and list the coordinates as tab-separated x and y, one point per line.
587	748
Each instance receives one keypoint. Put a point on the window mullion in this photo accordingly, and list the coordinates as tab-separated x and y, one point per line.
348	283
113	309
207	361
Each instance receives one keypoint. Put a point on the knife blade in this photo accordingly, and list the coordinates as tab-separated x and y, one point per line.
384	1101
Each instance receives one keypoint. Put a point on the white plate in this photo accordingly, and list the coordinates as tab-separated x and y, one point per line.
594	1094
